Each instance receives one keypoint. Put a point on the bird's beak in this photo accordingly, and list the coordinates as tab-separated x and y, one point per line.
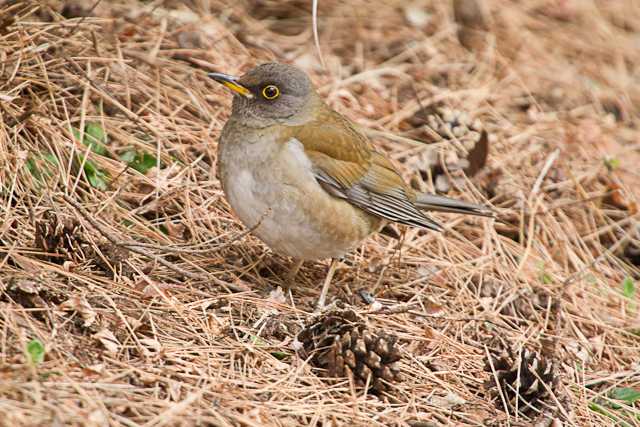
231	83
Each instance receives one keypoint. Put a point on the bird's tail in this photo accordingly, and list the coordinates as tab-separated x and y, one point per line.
431	202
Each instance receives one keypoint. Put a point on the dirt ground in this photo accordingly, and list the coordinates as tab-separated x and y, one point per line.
131	296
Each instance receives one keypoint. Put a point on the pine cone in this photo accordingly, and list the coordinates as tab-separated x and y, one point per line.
113	257
445	123
536	374
61	240
520	309
451	123
65	240
469	154
340	343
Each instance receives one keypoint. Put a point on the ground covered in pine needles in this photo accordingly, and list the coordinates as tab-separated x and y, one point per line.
130	295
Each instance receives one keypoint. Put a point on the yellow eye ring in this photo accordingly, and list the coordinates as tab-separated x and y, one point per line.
270	92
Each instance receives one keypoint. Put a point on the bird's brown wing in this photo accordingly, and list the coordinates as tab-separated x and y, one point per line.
347	166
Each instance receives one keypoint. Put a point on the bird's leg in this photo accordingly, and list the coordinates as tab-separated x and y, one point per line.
292	273
327	282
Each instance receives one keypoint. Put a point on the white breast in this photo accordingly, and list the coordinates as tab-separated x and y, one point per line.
259	187
272	184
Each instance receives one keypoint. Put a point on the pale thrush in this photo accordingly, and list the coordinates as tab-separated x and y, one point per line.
310	183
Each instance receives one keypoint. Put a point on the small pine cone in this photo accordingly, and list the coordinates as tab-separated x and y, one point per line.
111	257
61	240
340	343
520	309
468	154
526	306
450	123
440	122
524	377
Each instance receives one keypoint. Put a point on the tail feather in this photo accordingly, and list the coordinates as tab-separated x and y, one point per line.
431	202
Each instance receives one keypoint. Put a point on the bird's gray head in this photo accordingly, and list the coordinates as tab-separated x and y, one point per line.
268	94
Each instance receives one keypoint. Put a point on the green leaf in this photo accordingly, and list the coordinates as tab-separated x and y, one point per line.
96	177
628	287
41	166
163	228
544	277
258	342
96	146
628	394
611	163
280	355
76	134
33	168
141	162
147	162
98	182
601	410
96	131
128	156
49	157
35	350
94	137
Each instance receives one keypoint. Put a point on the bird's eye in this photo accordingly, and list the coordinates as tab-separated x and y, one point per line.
271	92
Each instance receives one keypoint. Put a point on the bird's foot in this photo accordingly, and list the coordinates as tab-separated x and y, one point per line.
290	277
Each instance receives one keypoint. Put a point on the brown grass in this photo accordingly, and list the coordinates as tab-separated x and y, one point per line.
187	331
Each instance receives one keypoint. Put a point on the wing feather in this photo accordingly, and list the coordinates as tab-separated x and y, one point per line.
347	166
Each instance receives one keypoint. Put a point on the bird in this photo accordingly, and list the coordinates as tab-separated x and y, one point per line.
304	179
